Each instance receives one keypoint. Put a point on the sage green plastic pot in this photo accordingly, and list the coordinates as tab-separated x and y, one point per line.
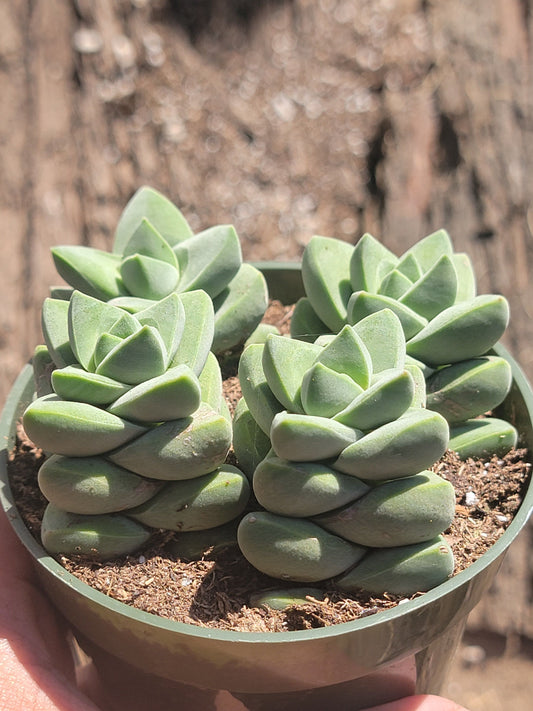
351	666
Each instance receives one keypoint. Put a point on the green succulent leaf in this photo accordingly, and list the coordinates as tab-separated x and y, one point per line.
255	389
470	388
434	291
482	437
151	205
347	353
261	333
211	386
250	443
43	367
326	278
92	485
195	343
147	241
395	285
429	250
239	308
384	401
90	270
103	347
404	570
136	358
362	304
369	263
285	362
466	330
209	260
195	545
173	395
294	549
409	266
382	334
179	449
400	448
303	489
284	598
75	429
148	278
419	382
168	316
466	278
305	324
197	504
54	322
75	383
396	513
102	537
325	392
308	438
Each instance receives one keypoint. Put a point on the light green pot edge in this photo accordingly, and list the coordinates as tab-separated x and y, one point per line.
286	661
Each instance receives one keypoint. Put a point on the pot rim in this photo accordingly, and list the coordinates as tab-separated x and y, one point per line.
12	411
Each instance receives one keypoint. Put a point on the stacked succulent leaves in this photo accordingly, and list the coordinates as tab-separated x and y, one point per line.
133	417
389	364
388	356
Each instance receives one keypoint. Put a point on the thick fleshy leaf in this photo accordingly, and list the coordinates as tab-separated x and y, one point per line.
408	266
395	284
54	323
88	319
173	395
211	385
179	449
92	485
308	438
97	537
196	545
239	308
195	343
363	304
75	383
405	570
284	598
159	211
466	330
136	358
347	353
419	382
326	392
197	504
258	395
433	292
303	489
43	367
169	318
146	240
90	270
369	263
431	248
469	388
396	513
103	347
384	401
466	278
400	448
75	429
382	334
305	324
285	362
209	260
148	278
326	278
294	549
261	333
250	443
482	437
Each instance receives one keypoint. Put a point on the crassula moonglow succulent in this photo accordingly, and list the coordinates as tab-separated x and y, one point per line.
155	253
337	438
133	422
449	330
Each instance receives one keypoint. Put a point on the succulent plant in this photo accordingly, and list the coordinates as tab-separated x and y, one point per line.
449	330
347	444
134	424
155	253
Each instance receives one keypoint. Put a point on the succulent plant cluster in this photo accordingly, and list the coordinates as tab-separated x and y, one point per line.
388	365
449	329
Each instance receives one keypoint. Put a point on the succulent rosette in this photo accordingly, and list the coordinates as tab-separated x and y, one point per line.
449	329
131	415
339	445
155	253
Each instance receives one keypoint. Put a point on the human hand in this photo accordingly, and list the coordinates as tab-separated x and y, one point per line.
420	703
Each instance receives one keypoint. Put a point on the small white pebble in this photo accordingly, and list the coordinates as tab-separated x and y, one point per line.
185	582
501	518
471	498
142	559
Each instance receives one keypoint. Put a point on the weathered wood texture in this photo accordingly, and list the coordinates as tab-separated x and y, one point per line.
285	118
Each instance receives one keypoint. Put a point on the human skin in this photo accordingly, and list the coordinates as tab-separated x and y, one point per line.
37	668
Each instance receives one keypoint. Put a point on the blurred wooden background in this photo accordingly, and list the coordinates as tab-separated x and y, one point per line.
286	118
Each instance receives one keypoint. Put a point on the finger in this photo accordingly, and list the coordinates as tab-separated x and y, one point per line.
425	702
